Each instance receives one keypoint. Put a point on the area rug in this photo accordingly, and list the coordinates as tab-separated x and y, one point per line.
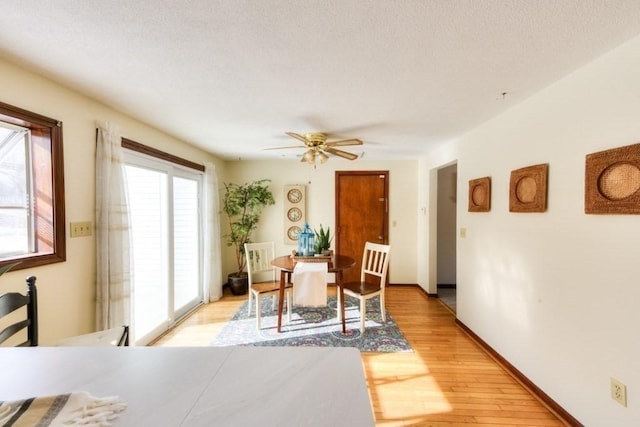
316	327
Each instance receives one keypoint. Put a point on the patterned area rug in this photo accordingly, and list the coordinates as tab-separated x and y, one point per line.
315	327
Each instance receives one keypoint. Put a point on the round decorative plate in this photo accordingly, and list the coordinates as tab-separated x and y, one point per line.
479	195
293	232
526	190
294	195
294	214
619	181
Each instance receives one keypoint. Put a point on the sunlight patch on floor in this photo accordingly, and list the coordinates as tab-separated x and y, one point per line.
391	382
193	335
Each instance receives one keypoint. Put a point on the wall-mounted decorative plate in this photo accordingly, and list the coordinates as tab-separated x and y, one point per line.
528	189
293	231
294	212
480	194
294	195
612	181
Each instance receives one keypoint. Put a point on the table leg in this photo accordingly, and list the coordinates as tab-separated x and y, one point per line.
341	294
281	299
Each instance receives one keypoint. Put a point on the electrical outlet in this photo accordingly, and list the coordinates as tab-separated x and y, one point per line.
619	392
80	229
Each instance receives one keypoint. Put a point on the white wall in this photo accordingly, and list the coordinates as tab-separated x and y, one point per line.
320	186
556	293
66	291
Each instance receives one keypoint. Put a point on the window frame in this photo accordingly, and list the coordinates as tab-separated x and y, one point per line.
52	127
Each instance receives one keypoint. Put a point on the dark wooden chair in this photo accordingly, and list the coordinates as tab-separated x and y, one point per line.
12	301
124	338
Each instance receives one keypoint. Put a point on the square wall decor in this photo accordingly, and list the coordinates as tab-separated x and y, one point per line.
528	189
612	181
480	194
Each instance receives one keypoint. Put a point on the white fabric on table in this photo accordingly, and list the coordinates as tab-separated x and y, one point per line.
310	284
77	409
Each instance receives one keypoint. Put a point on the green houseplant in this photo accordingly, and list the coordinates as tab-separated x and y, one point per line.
243	205
7	267
322	241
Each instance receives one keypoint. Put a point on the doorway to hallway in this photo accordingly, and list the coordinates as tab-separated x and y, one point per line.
446	242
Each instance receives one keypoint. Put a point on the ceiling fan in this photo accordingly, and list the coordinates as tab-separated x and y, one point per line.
318	147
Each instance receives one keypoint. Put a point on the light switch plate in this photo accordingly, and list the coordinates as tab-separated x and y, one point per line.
81	229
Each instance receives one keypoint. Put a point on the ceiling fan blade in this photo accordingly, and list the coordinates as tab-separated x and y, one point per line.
280	148
299	137
343	143
340	153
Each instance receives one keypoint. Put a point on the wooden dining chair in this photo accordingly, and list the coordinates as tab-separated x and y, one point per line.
263	281
12	301
373	279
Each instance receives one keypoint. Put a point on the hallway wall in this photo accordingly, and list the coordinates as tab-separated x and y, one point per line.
555	293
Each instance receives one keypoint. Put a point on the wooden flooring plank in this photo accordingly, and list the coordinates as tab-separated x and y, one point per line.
448	380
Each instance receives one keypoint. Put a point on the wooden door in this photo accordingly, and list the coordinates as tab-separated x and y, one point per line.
362	214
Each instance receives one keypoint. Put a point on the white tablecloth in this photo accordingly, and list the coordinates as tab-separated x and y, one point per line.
200	386
310	284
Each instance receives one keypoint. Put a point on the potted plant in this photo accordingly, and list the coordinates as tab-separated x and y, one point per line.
323	241
243	205
7	267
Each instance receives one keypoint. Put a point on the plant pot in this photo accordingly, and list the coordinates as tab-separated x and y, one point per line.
238	285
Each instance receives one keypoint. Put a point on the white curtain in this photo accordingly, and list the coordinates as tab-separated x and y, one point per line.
212	260
113	281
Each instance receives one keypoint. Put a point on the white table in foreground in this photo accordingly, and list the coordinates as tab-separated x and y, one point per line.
200	386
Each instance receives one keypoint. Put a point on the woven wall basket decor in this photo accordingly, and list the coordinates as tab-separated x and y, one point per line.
480	194
528	189
612	181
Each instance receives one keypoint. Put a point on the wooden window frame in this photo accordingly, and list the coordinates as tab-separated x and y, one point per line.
158	154
49	130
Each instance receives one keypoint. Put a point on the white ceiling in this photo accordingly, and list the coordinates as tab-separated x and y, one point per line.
231	76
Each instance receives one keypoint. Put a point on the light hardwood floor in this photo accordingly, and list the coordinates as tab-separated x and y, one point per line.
447	380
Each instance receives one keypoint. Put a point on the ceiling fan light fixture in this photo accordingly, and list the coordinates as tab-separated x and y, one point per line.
309	157
323	157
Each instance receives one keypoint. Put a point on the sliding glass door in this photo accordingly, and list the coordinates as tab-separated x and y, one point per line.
166	227
187	284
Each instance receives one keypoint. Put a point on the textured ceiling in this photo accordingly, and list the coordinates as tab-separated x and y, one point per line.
232	76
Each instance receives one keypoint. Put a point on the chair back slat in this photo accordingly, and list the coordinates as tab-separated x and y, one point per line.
13	329
12	301
375	261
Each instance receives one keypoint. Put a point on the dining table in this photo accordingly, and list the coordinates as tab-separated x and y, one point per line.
336	263
199	386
